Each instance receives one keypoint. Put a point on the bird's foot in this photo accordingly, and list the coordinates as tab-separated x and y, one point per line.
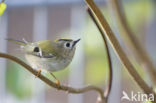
38	72
58	83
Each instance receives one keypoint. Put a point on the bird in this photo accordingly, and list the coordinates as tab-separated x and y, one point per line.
48	55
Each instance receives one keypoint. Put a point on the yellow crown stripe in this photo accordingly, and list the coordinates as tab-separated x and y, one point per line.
63	39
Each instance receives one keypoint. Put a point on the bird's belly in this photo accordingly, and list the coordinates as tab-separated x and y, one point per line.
51	64
54	66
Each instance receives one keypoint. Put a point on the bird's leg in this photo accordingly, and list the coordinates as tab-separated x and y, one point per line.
38	72
57	81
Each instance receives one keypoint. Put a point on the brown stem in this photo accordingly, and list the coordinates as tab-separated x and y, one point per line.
117	48
107	92
128	35
51	83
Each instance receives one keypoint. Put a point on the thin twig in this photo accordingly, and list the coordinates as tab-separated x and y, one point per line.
117	48
51	83
129	36
107	92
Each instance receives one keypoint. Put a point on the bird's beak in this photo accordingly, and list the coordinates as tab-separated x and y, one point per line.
75	42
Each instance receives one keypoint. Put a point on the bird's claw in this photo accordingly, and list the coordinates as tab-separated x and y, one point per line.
58	83
38	72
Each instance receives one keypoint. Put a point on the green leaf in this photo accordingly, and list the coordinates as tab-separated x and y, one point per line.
3	7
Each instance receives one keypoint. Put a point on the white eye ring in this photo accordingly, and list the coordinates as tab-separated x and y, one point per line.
67	45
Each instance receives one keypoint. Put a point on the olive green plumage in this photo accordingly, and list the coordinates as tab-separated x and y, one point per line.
47	54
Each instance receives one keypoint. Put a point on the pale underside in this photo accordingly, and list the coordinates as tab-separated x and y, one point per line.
50	64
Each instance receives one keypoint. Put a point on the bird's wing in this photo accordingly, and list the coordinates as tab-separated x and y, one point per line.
23	43
46	49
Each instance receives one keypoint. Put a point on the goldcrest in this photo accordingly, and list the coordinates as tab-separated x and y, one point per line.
50	55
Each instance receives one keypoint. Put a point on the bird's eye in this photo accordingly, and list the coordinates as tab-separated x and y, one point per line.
67	44
36	49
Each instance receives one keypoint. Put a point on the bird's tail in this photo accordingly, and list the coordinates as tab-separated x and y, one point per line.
22	43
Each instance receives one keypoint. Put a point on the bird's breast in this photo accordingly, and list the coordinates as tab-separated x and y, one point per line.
50	64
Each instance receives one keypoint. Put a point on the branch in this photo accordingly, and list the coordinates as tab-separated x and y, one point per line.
107	92
117	48
51	83
140	51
